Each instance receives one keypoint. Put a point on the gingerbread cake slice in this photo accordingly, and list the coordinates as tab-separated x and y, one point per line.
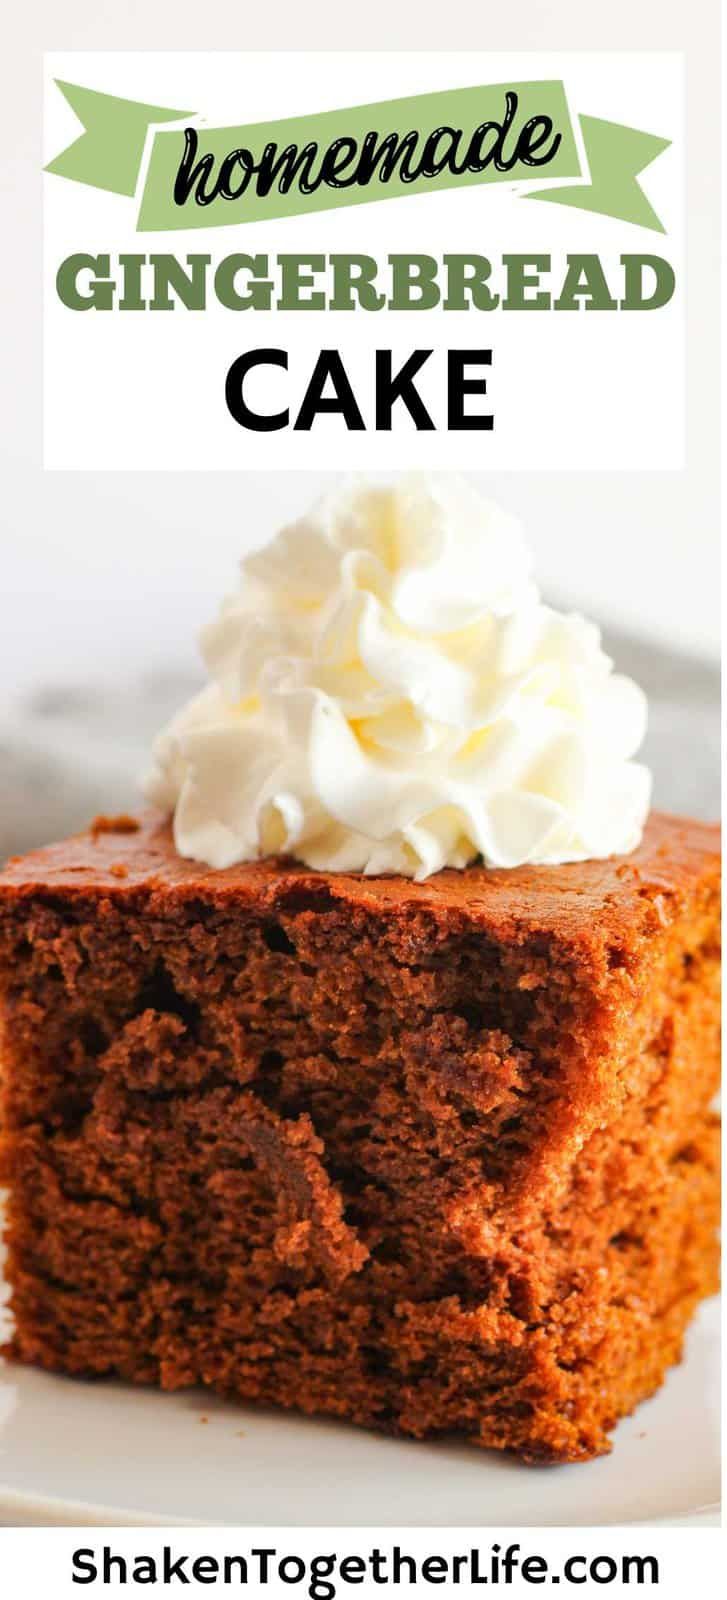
429	1156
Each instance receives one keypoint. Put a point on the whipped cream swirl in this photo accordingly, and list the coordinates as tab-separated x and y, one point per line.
389	694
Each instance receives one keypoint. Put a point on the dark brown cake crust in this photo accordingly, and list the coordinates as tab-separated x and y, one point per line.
123	854
429	1156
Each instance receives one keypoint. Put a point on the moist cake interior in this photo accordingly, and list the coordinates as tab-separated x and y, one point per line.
431	1157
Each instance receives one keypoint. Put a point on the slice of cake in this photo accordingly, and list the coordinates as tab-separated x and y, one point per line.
370	1073
431	1156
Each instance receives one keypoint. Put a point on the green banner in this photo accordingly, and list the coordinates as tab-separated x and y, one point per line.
201	177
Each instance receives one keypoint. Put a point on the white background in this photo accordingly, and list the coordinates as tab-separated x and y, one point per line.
30	1566
102	571
567	389
103	568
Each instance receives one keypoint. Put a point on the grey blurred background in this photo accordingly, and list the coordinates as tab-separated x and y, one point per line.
70	748
114	575
107	589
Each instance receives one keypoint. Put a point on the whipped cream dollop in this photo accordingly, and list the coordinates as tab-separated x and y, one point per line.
388	693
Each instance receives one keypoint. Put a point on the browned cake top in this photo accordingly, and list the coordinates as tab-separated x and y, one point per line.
126	856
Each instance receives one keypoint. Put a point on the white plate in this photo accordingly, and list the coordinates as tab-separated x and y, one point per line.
106	1453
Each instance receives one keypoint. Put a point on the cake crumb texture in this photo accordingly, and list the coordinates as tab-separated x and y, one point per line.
436	1158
